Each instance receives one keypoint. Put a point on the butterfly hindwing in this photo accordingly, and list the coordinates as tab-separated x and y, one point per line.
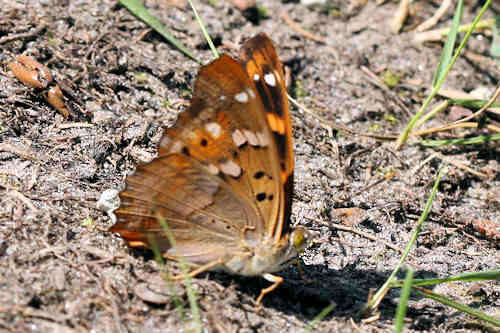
188	198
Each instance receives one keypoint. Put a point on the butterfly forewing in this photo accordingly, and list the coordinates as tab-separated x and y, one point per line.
264	68
225	129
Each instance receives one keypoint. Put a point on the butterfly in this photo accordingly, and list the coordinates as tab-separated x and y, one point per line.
223	178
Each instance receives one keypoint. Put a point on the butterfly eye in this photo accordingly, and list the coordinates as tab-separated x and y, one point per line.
300	239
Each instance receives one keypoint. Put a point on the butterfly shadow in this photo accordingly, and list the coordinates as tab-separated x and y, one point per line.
348	289
305	297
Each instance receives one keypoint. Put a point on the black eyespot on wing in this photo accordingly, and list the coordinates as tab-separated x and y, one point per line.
185	151
261	196
204	142
258	175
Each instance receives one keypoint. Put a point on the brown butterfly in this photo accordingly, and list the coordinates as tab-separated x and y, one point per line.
223	181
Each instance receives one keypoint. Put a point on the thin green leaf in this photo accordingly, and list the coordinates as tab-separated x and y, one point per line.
163	267
495	44
377	298
466	277
467	141
195	310
402	138
403	302
319	317
205	33
473	103
449	45
459	306
138	9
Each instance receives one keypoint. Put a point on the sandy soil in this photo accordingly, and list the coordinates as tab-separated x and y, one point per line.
61	271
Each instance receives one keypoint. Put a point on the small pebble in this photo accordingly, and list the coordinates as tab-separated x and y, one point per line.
108	202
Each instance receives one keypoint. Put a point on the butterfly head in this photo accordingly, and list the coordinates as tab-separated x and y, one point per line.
300	239
292	245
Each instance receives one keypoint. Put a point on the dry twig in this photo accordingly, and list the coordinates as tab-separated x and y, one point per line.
484	108
331	124
22	152
28	34
426	25
297	28
363	234
375	80
400	16
458	164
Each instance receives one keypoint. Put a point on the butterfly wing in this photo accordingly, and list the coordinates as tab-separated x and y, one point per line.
264	68
187	197
217	178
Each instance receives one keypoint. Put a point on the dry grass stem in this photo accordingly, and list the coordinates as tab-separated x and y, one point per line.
400	16
297	28
426	25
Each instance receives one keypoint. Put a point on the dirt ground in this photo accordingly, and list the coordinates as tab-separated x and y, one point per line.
61	271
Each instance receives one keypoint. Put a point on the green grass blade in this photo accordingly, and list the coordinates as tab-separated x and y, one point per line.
402	138
205	33
161	261
403	302
377	298
467	141
495	44
319	318
138	9
473	103
459	306
195	310
449	45
493	275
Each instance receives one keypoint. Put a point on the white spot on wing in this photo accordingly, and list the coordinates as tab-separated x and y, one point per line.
176	147
270	79
212	169
250	92
214	129
251	137
263	139
222	97
241	97
230	168
238	138
256	77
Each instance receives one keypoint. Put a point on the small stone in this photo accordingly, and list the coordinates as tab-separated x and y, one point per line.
313	2
157	294
108	202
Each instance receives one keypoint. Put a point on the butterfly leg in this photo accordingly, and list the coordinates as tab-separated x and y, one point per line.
302	273
199	270
277	280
